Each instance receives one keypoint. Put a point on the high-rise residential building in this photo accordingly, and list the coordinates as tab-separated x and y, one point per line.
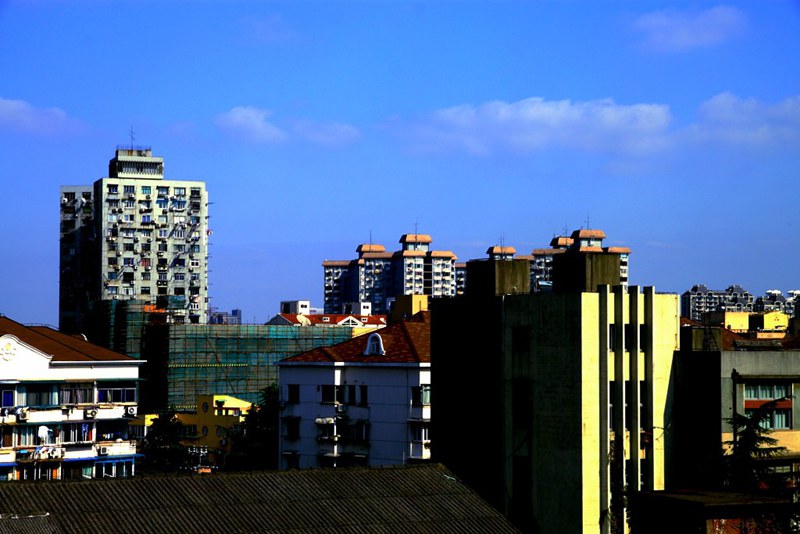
586	240
133	236
378	276
699	300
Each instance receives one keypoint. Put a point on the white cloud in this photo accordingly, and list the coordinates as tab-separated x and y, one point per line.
537	124
726	118
20	116
251	124
672	30
328	134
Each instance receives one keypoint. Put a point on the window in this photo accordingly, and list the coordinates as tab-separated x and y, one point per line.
179	248
145	289
146	219
364	400
291	428
8	398
163	232
112	189
774	419
179	233
76	433
767	391
76	393
116	392
128	204
374	346
179	262
421	395
180	277
162	203
332	394
293	393
351	395
40	395
146	189
162	190
180	191
420	431
129	189
128	262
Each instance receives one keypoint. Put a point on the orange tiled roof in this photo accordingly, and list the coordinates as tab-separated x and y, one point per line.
336	263
586	234
561	241
408	341
369	247
411	253
415	238
501	250
590	249
547	251
442	254
376	255
333	318
62	347
618	250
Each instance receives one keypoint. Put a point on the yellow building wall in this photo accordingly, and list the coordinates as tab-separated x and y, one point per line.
215	416
590	392
776	320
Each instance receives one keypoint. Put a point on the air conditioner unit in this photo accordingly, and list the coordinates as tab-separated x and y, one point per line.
341	408
22	415
102	451
130	411
91	413
147	197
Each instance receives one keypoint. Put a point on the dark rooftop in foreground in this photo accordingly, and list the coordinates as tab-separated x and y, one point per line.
399	499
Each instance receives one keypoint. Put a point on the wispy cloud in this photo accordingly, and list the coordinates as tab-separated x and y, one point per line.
250	124
675	31
537	124
327	134
20	116
726	118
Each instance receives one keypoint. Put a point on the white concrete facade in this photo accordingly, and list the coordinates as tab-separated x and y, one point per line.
342	413
65	419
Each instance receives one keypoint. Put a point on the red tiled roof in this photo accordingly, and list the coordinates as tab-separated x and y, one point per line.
585	234
336	263
377	255
618	250
406	342
333	318
561	241
415	238
590	249
369	247
62	347
547	251
411	253
501	250
442	254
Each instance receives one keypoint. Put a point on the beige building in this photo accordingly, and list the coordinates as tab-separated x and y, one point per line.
134	236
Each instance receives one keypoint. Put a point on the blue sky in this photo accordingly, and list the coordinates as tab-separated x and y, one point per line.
674	127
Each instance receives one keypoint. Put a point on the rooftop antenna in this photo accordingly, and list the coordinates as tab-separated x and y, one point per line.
587	222
565	230
416	225
133	137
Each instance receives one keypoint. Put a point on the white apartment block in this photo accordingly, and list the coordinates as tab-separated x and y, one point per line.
134	236
66	405
378	276
365	401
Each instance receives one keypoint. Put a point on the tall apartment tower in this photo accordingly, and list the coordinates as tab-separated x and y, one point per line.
133	236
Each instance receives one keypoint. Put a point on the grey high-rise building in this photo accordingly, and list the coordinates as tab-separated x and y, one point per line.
133	236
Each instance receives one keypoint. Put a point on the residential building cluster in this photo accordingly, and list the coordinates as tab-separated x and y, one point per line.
565	397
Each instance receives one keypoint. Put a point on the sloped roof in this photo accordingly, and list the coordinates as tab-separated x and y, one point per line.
415	238
408	341
588	234
333	318
370	247
62	347
401	499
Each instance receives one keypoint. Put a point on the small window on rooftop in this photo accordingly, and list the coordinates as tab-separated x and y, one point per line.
374	346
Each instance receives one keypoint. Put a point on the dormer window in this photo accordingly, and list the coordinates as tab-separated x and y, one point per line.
374	346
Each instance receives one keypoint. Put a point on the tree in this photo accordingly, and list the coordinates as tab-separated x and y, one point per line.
162	447
747	469
256	445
